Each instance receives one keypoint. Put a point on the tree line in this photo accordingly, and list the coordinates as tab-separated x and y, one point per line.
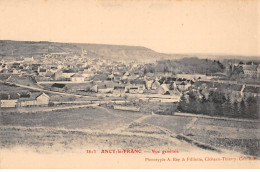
219	104
185	65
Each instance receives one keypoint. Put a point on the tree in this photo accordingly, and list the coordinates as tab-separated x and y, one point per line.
235	111
251	107
242	109
183	105
227	107
204	105
125	98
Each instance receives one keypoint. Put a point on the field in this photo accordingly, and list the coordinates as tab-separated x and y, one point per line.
4	88
233	135
77	129
99	127
82	118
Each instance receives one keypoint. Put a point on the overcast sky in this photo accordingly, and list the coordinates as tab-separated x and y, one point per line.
195	26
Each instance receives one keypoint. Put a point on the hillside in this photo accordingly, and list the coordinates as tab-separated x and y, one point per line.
29	48
116	52
124	52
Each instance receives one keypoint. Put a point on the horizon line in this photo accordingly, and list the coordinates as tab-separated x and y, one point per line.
111	44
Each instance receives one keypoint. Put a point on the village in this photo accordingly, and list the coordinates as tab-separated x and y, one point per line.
60	88
129	84
108	81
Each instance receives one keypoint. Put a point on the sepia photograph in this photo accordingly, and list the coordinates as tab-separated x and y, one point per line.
133	84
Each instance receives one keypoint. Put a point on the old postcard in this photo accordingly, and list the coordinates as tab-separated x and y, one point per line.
161	84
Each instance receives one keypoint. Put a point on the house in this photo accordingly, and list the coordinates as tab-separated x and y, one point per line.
150	76
100	77
135	86
87	74
74	87
163	89
173	86
117	77
28	59
42	71
9	100
192	76
35	69
124	77
34	99
67	73
53	69
94	88
155	85
77	78
183	86
58	87
119	90
57	75
111	77
48	74
250	70
258	72
127	108
255	91
105	87
133	90
42	99
148	84
102	88
15	71
85	87
127	73
138	82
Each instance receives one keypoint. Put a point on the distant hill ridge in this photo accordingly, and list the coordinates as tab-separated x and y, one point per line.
124	52
118	52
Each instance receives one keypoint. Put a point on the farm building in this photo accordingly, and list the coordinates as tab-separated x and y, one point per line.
119	90
87	73
58	87
77	78
34	99
8	100
105	87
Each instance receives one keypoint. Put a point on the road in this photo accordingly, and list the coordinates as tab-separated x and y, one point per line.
232	82
52	92
63	82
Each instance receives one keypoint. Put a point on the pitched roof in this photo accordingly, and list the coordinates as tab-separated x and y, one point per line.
4	96
101	85
119	88
10	96
250	67
110	84
77	75
68	71
43	70
32	96
165	87
58	85
252	89
137	82
183	83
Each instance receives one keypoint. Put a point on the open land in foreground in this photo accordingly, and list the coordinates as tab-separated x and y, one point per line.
99	128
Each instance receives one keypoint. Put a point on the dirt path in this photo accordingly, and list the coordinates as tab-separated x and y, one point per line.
48	91
213	117
190	124
123	129
49	109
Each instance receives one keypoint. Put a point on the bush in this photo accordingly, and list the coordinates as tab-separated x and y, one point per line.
51	104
